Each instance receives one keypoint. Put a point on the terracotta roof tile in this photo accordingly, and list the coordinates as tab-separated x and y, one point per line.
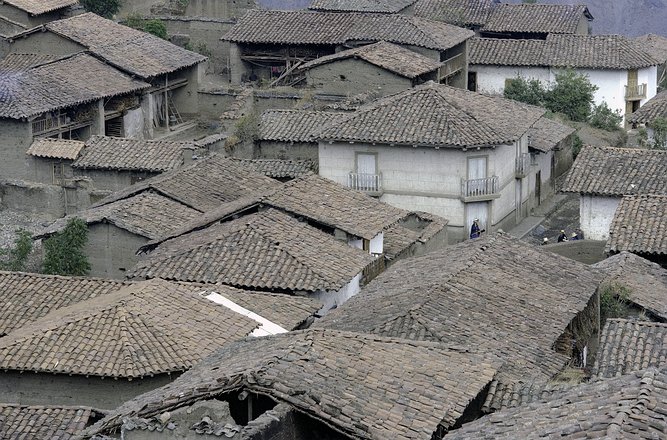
536	18
386	6
133	51
363	386
280	168
654	108
142	329
654	45
627	346
38	7
294	125
389	56
546	133
607	171
457	12
55	148
639	225
436	115
336	28
266	250
110	153
44	422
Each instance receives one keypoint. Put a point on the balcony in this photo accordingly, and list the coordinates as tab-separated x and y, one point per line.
522	166
368	183
452	66
635	92
480	190
47	124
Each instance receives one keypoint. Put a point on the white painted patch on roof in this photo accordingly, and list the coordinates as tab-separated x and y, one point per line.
265	328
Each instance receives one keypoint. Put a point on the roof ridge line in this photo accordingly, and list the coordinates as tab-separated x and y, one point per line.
615	428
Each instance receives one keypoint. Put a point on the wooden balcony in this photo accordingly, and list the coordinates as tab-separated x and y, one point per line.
452	66
480	190
522	166
635	92
368	183
44	125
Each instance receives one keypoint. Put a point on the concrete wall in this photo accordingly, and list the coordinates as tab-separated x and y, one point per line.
46	43
351	77
111	250
30	388
491	79
15	139
596	214
286	150
338	298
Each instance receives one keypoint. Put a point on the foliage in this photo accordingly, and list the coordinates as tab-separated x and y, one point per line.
572	95
614	302
577	144
530	91
104	8
199	47
63	252
605	118
156	27
247	127
15	258
659	141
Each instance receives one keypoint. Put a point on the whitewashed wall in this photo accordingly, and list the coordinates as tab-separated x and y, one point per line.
596	214
331	299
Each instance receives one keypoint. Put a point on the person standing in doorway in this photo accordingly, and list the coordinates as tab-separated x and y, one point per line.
474	229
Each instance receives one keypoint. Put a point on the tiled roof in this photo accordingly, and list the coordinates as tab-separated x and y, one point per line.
204	185
363	386
630	406
55	148
146	214
639	225
536	18
398	237
627	346
294	125
464	294
140	330
546	133
110	153
23	61
329	203
37	7
436	115
607	171
396	59
280	168
49	87
265	250
576	51
136	52
654	45
645	280
654	108
337	28
386	6
26	297
43	422
457	12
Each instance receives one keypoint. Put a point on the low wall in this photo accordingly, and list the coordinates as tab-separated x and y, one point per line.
584	251
30	197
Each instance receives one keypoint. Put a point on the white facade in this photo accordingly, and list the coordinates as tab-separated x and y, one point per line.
330	300
596	214
611	83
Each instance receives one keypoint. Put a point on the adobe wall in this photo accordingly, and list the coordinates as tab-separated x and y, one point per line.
219	9
185	98
112	180
32	197
585	251
286	150
46	43
111	250
30	388
8	28
15	139
214	103
272	99
563	156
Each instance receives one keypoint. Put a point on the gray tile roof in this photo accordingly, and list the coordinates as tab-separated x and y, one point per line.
26	297
268	250
436	115
34	91
123	154
44	422
614	172
629	407
337	28
398	237
457	12
38	7
464	294
546	133
536	18
386	6
576	51
280	168
388	56
24	61
639	225
363	386
55	148
654	45
627	346
136	52
294	125
645	280
654	108
142	329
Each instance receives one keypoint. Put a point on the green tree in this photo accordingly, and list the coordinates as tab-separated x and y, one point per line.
15	258
572	95
530	91
659	126
605	118
63	252
104	8
156	27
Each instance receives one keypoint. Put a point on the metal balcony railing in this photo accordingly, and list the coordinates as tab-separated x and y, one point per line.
371	183
634	92
480	189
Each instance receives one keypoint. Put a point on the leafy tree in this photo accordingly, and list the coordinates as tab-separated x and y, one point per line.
104	8
530	91
157	28
572	95
63	252
605	118
659	126
16	258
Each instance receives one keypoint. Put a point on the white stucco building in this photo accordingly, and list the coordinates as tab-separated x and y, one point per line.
625	75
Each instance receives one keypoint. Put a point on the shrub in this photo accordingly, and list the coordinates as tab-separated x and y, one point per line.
614	302
659	126
605	118
156	27
63	252
530	91
572	95
104	8
247	128
15	258
576	145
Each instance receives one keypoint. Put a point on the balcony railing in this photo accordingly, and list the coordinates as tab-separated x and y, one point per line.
522	166
478	190
635	92
451	66
370	183
44	125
